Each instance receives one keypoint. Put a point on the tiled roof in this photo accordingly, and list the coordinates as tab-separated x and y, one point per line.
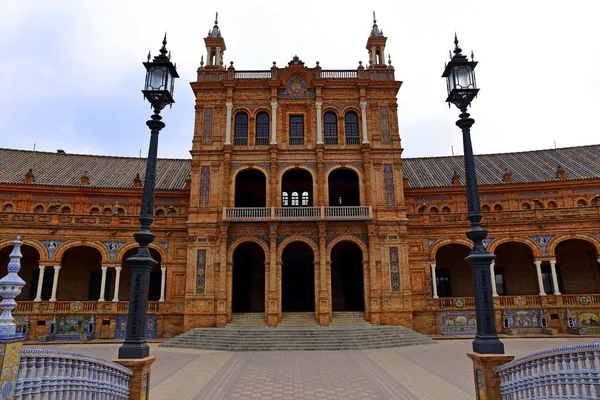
581	162
118	172
57	169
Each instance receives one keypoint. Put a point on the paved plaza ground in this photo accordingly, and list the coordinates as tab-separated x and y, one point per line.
437	371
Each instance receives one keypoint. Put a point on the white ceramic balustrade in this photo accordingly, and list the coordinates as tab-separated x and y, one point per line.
296	213
571	372
56	374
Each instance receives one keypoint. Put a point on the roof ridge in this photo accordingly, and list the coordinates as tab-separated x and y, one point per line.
90	155
509	152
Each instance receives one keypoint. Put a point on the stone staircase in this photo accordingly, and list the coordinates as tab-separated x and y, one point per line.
298	331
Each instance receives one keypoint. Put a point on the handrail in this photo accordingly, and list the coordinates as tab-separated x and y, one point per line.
297	213
252	74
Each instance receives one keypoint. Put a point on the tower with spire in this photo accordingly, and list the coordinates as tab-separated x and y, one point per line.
215	45
376	46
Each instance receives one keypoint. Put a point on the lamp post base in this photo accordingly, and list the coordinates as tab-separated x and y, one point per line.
487	383
485	344
134	350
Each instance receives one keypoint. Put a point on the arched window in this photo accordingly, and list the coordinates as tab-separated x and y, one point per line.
52	209
331	131
119	211
581	203
39	209
285	201
240	135
351	127
433	210
497	207
171	210
262	129
160	212
305	199
94	211
295	200
445	209
8	208
551	204
107	211
526	206
66	210
485	208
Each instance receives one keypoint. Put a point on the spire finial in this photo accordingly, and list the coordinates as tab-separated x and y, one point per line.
163	49
374	19
216	18
148	55
457	49
389	59
202	60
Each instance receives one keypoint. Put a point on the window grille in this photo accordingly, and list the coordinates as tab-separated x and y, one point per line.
262	129
296	130
351	127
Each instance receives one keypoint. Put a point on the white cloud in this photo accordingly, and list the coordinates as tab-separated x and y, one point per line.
538	68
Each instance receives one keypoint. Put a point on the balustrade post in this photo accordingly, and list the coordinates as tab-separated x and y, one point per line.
434	281
55	282
554	277
38	295
538	269
117	282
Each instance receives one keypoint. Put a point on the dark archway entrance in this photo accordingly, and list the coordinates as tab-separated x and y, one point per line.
125	283
577	267
80	274
347	287
248	281
515	271
453	273
298	278
343	188
29	272
250	189
297	188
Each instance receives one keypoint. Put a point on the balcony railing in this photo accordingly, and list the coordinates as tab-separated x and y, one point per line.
80	307
253	75
337	74
247	214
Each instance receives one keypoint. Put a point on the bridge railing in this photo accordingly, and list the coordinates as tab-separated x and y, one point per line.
571	372
56	374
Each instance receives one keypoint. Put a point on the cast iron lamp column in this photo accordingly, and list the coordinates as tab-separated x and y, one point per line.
158	90
462	89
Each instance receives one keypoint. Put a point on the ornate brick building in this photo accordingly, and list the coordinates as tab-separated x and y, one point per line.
296	199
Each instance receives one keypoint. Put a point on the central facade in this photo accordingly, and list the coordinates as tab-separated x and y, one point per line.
296	191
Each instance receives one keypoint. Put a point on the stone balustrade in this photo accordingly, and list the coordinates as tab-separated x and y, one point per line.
571	372
85	307
58	219
56	374
248	214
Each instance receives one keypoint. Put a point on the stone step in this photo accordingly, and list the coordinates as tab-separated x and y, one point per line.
349	337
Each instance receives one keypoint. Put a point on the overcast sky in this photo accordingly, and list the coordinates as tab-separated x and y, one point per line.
72	71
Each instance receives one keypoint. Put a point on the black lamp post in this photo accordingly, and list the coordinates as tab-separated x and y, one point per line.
158	90
462	89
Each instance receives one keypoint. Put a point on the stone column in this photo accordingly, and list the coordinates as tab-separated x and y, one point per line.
38	295
493	277
538	268
55	282
319	105
554	277
363	114
228	123
434	281
273	122
163	275
103	284
117	282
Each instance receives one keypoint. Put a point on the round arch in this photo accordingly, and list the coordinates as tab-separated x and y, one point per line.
299	276
247	286
555	241
60	251
351	108
359	180
348	277
29	242
239	241
533	246
291	72
297	238
128	246
302	167
440	243
346	238
246	167
261	110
